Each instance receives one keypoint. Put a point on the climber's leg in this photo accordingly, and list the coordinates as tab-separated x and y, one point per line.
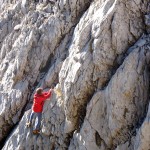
28	124
38	122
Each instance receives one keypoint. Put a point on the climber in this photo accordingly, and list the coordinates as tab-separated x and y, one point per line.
38	102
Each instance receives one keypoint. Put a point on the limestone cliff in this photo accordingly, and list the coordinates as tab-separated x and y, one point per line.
96	53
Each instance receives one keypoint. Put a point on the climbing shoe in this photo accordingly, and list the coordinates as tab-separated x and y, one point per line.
28	124
36	131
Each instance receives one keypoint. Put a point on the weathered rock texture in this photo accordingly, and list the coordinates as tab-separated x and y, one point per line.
97	53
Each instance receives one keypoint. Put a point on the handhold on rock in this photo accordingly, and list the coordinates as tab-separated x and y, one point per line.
17	27
69	126
58	92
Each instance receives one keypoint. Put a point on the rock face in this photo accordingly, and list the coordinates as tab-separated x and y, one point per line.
96	53
114	113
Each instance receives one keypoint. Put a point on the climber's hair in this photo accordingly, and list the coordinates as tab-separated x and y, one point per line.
39	91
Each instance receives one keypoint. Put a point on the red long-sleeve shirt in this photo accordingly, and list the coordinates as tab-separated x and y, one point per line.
38	101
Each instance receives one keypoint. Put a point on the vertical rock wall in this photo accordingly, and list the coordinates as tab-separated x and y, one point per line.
96	53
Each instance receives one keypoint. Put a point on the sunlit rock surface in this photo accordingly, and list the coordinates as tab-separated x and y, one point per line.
96	53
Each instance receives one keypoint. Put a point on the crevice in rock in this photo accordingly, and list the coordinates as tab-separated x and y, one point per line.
53	147
116	66
43	70
2	143
98	139
82	111
70	136
141	120
47	65
81	114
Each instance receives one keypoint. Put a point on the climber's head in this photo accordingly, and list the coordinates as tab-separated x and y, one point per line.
39	91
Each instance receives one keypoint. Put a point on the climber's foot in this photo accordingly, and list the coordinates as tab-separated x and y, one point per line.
36	131
28	124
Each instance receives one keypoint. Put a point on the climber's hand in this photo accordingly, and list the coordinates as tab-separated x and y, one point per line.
52	86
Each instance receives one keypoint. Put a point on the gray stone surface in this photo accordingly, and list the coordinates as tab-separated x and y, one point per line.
98	47
142	140
114	113
51	135
30	40
96	53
